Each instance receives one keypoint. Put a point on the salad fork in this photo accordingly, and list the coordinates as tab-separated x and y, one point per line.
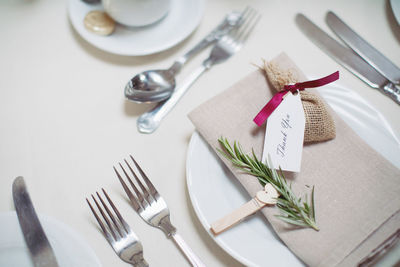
224	49
151	207
118	233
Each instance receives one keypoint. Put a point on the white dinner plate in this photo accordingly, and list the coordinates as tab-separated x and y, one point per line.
70	249
214	191
395	4
184	16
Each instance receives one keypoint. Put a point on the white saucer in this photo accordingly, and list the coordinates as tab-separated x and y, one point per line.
70	249
182	19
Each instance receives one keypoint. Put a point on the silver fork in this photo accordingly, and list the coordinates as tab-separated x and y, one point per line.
224	49
152	208
118	233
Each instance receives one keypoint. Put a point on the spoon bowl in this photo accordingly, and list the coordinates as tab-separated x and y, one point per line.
150	86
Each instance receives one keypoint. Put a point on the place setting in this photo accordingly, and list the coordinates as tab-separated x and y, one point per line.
331	159
324	139
284	167
206	165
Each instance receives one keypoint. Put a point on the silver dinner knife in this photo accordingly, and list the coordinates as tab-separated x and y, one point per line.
381	63
41	252
348	59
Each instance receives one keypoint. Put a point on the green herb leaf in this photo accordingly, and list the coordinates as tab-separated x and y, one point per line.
292	209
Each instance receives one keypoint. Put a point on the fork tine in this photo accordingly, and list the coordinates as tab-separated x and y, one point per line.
231	37
144	190
111	216
244	13
124	224
238	35
151	187
105	218
249	28
133	199
139	195
102	226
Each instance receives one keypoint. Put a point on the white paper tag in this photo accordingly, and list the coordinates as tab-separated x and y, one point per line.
284	135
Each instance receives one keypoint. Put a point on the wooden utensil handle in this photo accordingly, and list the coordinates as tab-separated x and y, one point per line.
236	216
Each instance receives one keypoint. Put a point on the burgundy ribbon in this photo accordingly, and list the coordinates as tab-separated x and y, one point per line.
266	111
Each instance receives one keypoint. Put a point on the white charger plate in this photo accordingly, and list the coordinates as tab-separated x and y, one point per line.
70	249
214	191
182	19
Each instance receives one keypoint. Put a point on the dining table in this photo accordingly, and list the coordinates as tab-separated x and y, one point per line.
65	122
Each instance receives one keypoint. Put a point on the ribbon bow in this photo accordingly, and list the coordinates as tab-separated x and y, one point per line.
266	111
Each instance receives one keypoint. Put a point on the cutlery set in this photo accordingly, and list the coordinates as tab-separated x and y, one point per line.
226	47
158	85
149	205
360	58
149	86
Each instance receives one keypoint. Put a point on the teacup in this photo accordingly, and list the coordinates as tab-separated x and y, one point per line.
136	12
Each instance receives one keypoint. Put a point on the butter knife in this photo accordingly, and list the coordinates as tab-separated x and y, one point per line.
41	252
348	59
366	51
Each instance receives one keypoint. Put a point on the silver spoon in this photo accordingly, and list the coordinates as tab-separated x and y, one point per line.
158	85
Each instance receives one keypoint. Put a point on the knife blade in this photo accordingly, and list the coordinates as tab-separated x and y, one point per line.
41	252
347	58
366	51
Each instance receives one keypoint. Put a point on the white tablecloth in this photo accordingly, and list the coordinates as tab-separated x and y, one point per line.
64	121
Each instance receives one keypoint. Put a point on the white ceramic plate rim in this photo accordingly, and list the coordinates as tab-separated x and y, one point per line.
60	237
98	41
340	99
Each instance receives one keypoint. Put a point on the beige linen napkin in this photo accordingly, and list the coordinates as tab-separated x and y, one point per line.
357	191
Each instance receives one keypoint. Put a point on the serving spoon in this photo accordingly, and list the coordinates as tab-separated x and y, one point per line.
158	85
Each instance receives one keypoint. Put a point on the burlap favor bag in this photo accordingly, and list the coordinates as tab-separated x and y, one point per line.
319	123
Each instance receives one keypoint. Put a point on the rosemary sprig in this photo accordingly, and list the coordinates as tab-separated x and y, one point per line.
293	210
